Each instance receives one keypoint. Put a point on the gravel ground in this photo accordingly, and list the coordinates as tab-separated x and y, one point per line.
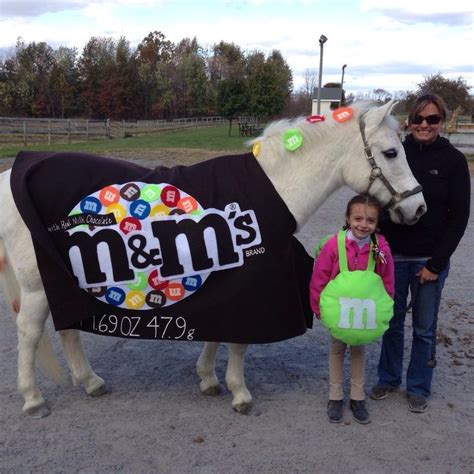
156	420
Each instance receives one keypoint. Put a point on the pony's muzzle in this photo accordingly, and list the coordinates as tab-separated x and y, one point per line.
407	217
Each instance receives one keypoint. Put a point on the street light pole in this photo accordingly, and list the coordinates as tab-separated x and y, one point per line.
342	83
322	40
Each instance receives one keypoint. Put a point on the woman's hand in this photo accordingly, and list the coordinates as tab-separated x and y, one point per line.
425	275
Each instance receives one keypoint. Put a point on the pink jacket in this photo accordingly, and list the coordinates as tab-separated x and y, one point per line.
327	266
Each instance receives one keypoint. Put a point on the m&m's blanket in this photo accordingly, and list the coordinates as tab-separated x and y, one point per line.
204	252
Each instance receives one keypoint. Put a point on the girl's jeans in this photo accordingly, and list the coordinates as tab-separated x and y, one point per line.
424	313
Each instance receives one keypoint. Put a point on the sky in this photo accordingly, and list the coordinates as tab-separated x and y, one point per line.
386	44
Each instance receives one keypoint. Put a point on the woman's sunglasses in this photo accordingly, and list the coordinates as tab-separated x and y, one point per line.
430	119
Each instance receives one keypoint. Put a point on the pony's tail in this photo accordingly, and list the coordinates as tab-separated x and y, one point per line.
48	361
11	290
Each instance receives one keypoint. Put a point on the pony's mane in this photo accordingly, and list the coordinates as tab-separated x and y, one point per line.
315	131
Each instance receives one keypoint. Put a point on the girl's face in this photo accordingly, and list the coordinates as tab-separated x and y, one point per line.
362	220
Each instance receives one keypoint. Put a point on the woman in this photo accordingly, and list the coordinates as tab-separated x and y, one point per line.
422	251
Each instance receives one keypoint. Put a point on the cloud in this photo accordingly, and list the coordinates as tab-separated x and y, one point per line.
409	18
454	12
29	8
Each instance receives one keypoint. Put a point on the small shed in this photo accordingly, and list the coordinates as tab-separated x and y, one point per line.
328	95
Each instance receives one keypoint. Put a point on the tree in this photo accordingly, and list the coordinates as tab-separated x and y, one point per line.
455	92
232	99
119	91
154	56
64	82
227	62
195	79
95	65
9	104
270	85
310	82
30	75
189	79
39	81
299	104
381	95
349	99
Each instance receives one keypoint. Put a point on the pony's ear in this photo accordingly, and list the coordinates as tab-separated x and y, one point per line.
374	117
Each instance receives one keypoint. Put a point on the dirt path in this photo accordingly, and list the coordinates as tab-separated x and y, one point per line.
156	420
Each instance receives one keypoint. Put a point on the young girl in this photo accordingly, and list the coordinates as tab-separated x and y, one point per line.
362	215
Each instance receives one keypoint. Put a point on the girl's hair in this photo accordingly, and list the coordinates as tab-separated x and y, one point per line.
365	199
425	99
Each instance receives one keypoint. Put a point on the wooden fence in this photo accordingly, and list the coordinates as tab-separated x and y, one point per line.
28	130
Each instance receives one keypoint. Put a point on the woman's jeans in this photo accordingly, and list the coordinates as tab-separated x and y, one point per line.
424	313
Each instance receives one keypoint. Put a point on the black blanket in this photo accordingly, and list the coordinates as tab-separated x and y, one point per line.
204	252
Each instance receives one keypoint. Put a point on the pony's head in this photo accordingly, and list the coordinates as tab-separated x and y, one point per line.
378	164
361	149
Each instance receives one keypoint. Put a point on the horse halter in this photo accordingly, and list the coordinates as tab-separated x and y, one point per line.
376	172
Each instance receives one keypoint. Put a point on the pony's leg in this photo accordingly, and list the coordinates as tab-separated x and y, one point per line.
234	377
206	369
30	326
23	280
81	371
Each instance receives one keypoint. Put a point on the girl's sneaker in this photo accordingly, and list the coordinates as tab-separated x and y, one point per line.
334	411
359	411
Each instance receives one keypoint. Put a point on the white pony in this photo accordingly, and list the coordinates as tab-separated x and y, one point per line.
363	152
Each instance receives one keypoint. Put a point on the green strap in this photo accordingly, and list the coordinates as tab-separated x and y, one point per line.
371	262
341	249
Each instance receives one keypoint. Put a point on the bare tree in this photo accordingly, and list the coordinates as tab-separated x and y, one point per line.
310	79
381	95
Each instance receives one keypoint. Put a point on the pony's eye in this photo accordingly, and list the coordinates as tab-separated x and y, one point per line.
390	153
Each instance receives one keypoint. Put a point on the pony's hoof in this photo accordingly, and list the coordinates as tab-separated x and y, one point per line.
37	412
213	391
243	408
99	391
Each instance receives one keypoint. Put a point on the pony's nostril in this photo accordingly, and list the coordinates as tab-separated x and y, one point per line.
421	210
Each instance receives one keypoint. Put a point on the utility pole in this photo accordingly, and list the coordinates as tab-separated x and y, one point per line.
322	40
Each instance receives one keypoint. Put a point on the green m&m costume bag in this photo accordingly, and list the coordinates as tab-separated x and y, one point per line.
355	306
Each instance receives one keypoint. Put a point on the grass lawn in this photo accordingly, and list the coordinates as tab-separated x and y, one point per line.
210	138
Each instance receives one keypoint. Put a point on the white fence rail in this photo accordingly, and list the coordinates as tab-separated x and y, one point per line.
28	130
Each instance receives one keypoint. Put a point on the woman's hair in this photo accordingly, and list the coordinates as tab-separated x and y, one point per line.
422	101
365	199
